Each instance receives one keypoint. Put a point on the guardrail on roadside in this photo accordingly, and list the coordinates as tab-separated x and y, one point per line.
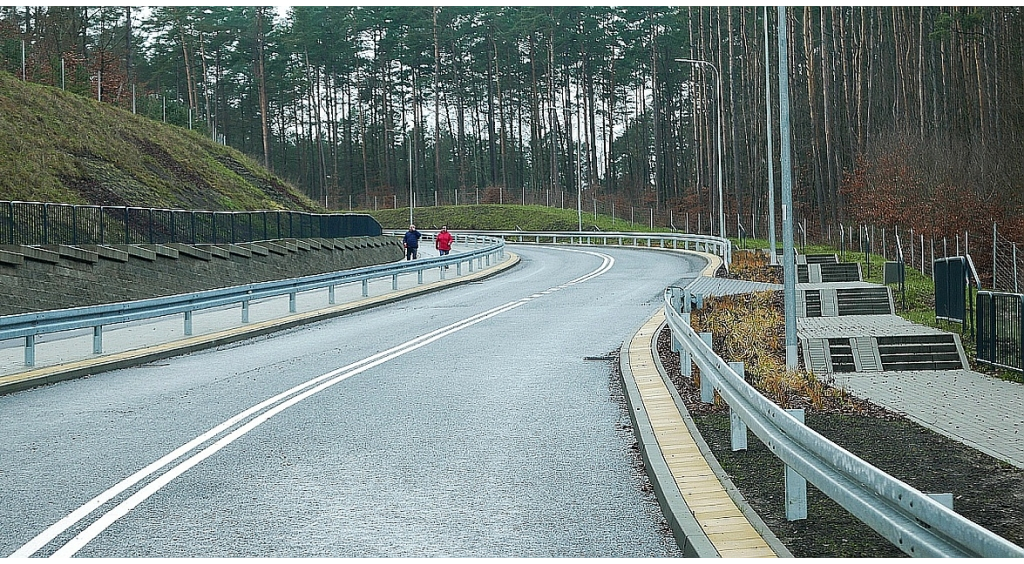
685	241
30	325
911	520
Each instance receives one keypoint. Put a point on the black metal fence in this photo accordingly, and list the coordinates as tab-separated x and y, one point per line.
35	223
950	288
1001	329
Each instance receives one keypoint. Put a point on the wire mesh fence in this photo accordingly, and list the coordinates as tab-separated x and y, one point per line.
35	223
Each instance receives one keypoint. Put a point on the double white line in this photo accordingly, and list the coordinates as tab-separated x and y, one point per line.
180	460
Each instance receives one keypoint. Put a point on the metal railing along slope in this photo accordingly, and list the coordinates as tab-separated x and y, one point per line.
1000	339
40	223
911	520
30	325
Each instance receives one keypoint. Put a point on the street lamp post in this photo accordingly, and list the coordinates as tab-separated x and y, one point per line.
408	141
412	201
718	86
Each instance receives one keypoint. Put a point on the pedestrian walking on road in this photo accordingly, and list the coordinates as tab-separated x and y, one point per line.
443	242
411	242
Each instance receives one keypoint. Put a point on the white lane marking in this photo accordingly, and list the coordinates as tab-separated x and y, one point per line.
279	402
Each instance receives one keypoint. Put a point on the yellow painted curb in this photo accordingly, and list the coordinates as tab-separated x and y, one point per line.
722	521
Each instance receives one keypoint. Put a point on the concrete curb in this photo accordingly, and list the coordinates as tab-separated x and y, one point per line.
88	367
730	488
688	533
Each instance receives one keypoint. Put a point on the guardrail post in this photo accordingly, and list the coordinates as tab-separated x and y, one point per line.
675	302
796	485
30	350
946	499
685	360
188	323
97	339
458	268
737	428
330	294
366	287
470	263
442	271
245	311
394	281
291	302
707	388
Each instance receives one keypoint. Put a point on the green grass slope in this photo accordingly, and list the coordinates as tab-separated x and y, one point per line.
61	147
501	218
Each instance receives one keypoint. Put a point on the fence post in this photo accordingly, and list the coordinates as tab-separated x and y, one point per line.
994	240
911	247
30	350
1020	334
796	485
707	389
737	428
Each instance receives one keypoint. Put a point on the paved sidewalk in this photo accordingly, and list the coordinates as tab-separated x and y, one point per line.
978	410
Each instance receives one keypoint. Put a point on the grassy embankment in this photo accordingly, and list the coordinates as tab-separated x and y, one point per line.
64	148
502	218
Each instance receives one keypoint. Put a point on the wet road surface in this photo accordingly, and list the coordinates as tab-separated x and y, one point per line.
467	422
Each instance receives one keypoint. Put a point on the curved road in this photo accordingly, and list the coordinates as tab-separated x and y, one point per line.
469	422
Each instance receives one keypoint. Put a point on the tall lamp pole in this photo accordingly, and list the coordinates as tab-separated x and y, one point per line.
773	256
408	141
412	201
721	133
785	157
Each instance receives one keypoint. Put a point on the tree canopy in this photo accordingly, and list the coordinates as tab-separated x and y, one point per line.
898	112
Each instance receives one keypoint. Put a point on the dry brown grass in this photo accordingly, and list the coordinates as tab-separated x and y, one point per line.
749	328
754	266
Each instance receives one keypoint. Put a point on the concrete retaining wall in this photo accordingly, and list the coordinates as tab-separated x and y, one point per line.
40	278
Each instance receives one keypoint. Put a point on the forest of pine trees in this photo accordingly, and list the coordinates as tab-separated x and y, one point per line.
907	116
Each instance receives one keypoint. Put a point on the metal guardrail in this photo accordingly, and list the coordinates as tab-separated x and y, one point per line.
38	223
30	325
702	243
1001	330
911	520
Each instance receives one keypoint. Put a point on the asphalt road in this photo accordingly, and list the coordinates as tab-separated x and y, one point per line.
469	422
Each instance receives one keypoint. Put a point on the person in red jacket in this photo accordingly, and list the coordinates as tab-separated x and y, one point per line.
443	241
